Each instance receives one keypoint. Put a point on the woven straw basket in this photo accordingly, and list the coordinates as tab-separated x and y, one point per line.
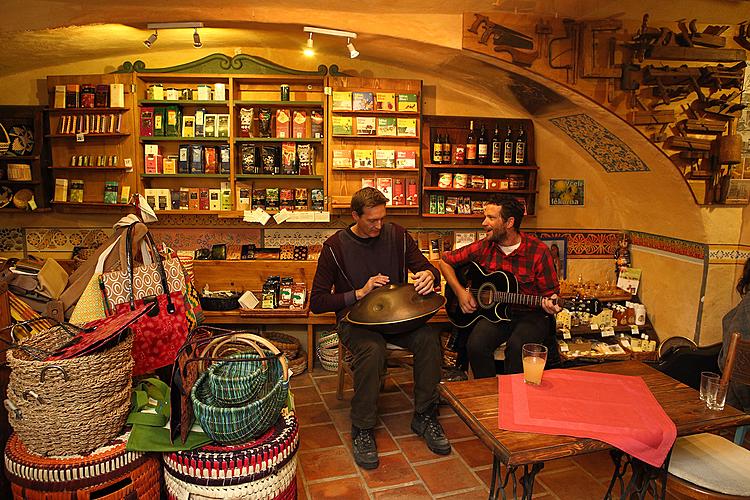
109	472
238	424
70	406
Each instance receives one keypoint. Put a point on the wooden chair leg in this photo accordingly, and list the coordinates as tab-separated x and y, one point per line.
340	373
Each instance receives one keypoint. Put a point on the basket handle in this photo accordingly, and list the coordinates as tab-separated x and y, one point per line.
43	373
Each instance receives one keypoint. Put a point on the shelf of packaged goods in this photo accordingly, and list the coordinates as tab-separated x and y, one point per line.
277	139
177	176
283	104
377	137
279	176
17	158
23	210
89	135
90	204
474	190
9	181
342	206
162	138
77	111
87	169
192	102
436	166
456	216
220	213
375	112
376	169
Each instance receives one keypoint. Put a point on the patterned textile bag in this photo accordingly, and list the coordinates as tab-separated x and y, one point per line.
160	333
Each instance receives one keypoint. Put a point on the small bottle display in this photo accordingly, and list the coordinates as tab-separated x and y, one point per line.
508	145
471	145
447	149
437	148
482	147
519	156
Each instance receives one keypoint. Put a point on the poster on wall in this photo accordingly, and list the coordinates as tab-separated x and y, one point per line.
566	192
558	247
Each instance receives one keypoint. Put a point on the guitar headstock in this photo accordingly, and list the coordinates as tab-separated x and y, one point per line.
577	304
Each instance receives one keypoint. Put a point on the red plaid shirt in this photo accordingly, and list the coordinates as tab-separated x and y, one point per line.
531	263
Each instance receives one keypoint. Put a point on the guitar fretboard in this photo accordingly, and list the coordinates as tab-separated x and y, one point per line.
518	298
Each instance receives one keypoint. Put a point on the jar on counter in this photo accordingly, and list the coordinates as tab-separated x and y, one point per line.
155	92
173	94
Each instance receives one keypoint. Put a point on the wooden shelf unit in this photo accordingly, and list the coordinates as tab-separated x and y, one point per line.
341	182
457	128
66	145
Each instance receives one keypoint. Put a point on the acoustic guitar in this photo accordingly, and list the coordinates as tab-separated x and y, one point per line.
495	293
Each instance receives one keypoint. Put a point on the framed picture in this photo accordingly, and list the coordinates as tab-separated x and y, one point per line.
558	247
566	192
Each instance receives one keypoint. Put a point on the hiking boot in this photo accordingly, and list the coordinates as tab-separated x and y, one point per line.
427	425
364	448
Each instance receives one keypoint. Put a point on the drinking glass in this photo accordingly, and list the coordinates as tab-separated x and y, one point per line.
716	394
534	356
705	377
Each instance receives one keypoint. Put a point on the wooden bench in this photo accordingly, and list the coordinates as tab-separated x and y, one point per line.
241	275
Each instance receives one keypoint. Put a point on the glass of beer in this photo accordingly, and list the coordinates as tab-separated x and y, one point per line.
534	356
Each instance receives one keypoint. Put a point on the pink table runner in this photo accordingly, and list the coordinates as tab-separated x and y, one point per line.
617	409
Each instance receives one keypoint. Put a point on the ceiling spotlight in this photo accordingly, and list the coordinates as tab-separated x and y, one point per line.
197	40
308	51
151	39
352	51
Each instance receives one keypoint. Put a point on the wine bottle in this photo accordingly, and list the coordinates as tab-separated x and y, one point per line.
508	147
497	147
447	149
471	145
519	156
437	149
482	147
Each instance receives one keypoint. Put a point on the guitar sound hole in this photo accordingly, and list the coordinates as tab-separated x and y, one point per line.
485	296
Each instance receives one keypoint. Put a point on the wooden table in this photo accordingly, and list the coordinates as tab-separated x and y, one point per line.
476	402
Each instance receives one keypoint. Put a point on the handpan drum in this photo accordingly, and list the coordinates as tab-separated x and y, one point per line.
395	309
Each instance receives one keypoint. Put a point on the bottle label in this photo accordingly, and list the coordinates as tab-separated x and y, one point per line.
471	151
446	157
437	153
508	153
497	152
520	153
482	150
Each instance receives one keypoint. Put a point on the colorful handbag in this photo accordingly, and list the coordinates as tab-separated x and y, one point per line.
160	333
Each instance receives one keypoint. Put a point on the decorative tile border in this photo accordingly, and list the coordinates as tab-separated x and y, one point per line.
728	254
64	240
604	146
12	239
588	245
194	238
669	245
274	238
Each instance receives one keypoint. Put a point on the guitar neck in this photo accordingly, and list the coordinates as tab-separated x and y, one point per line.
519	299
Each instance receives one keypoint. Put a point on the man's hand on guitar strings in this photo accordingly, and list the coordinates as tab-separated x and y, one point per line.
374	282
550	306
423	282
466	301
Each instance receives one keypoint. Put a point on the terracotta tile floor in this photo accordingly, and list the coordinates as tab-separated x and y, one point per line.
408	470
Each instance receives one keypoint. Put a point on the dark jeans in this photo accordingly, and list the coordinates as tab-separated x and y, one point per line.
486	336
369	367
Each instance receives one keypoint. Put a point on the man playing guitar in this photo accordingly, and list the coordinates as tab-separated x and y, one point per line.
521	255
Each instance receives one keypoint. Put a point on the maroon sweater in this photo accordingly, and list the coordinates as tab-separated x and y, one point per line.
348	261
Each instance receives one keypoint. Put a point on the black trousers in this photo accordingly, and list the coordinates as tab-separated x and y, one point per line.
369	367
486	336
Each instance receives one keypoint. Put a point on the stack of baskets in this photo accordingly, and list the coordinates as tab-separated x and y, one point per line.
69	406
108	472
290	346
328	351
265	468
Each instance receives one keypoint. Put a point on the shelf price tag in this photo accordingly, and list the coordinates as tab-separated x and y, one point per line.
608	332
283	215
634	329
80	137
566	334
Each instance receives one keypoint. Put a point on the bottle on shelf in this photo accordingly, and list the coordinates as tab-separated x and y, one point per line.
519	155
437	149
447	149
482	147
508	145
496	155
471	145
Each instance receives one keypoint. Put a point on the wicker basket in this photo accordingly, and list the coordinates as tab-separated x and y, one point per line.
328	351
285	343
109	472
298	365
70	406
238	424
